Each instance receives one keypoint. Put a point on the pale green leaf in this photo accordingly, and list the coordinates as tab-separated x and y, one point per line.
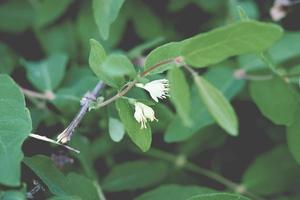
276	99
110	69
105	13
286	48
165	52
58	183
180	94
171	192
272	172
15	126
116	129
141	137
96	58
222	78
47	74
235	39
217	105
134	175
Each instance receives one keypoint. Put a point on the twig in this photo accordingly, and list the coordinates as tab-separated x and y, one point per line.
132	84
66	135
44	138
89	97
99	191
32	94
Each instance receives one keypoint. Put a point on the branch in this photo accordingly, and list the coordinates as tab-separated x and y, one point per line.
89	97
66	135
44	138
32	94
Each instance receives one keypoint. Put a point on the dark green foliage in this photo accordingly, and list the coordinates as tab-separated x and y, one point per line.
195	100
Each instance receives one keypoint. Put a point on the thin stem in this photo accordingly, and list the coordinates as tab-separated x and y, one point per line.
259	77
189	69
44	138
32	94
118	95
66	135
99	191
132	84
266	58
166	156
145	73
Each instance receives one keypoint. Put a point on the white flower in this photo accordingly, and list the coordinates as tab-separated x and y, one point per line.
277	13
157	89
143	113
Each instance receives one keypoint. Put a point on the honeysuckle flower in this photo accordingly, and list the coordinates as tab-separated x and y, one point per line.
279	9
277	13
157	89
143	113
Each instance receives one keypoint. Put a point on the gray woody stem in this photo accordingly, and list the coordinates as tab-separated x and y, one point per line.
89	97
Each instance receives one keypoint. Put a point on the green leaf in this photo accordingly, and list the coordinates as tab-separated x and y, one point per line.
116	129
141	137
12	195
15	126
165	52
286	48
65	198
117	67
7	62
47	11
217	105
84	157
87	28
141	48
235	39
58	183
15	16
293	137
58	39
67	98
222	78
146	23
171	192
263	178
134	175
249	7
179	94
276	100
47	74
96	58
218	196
105	13
111	69
212	6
